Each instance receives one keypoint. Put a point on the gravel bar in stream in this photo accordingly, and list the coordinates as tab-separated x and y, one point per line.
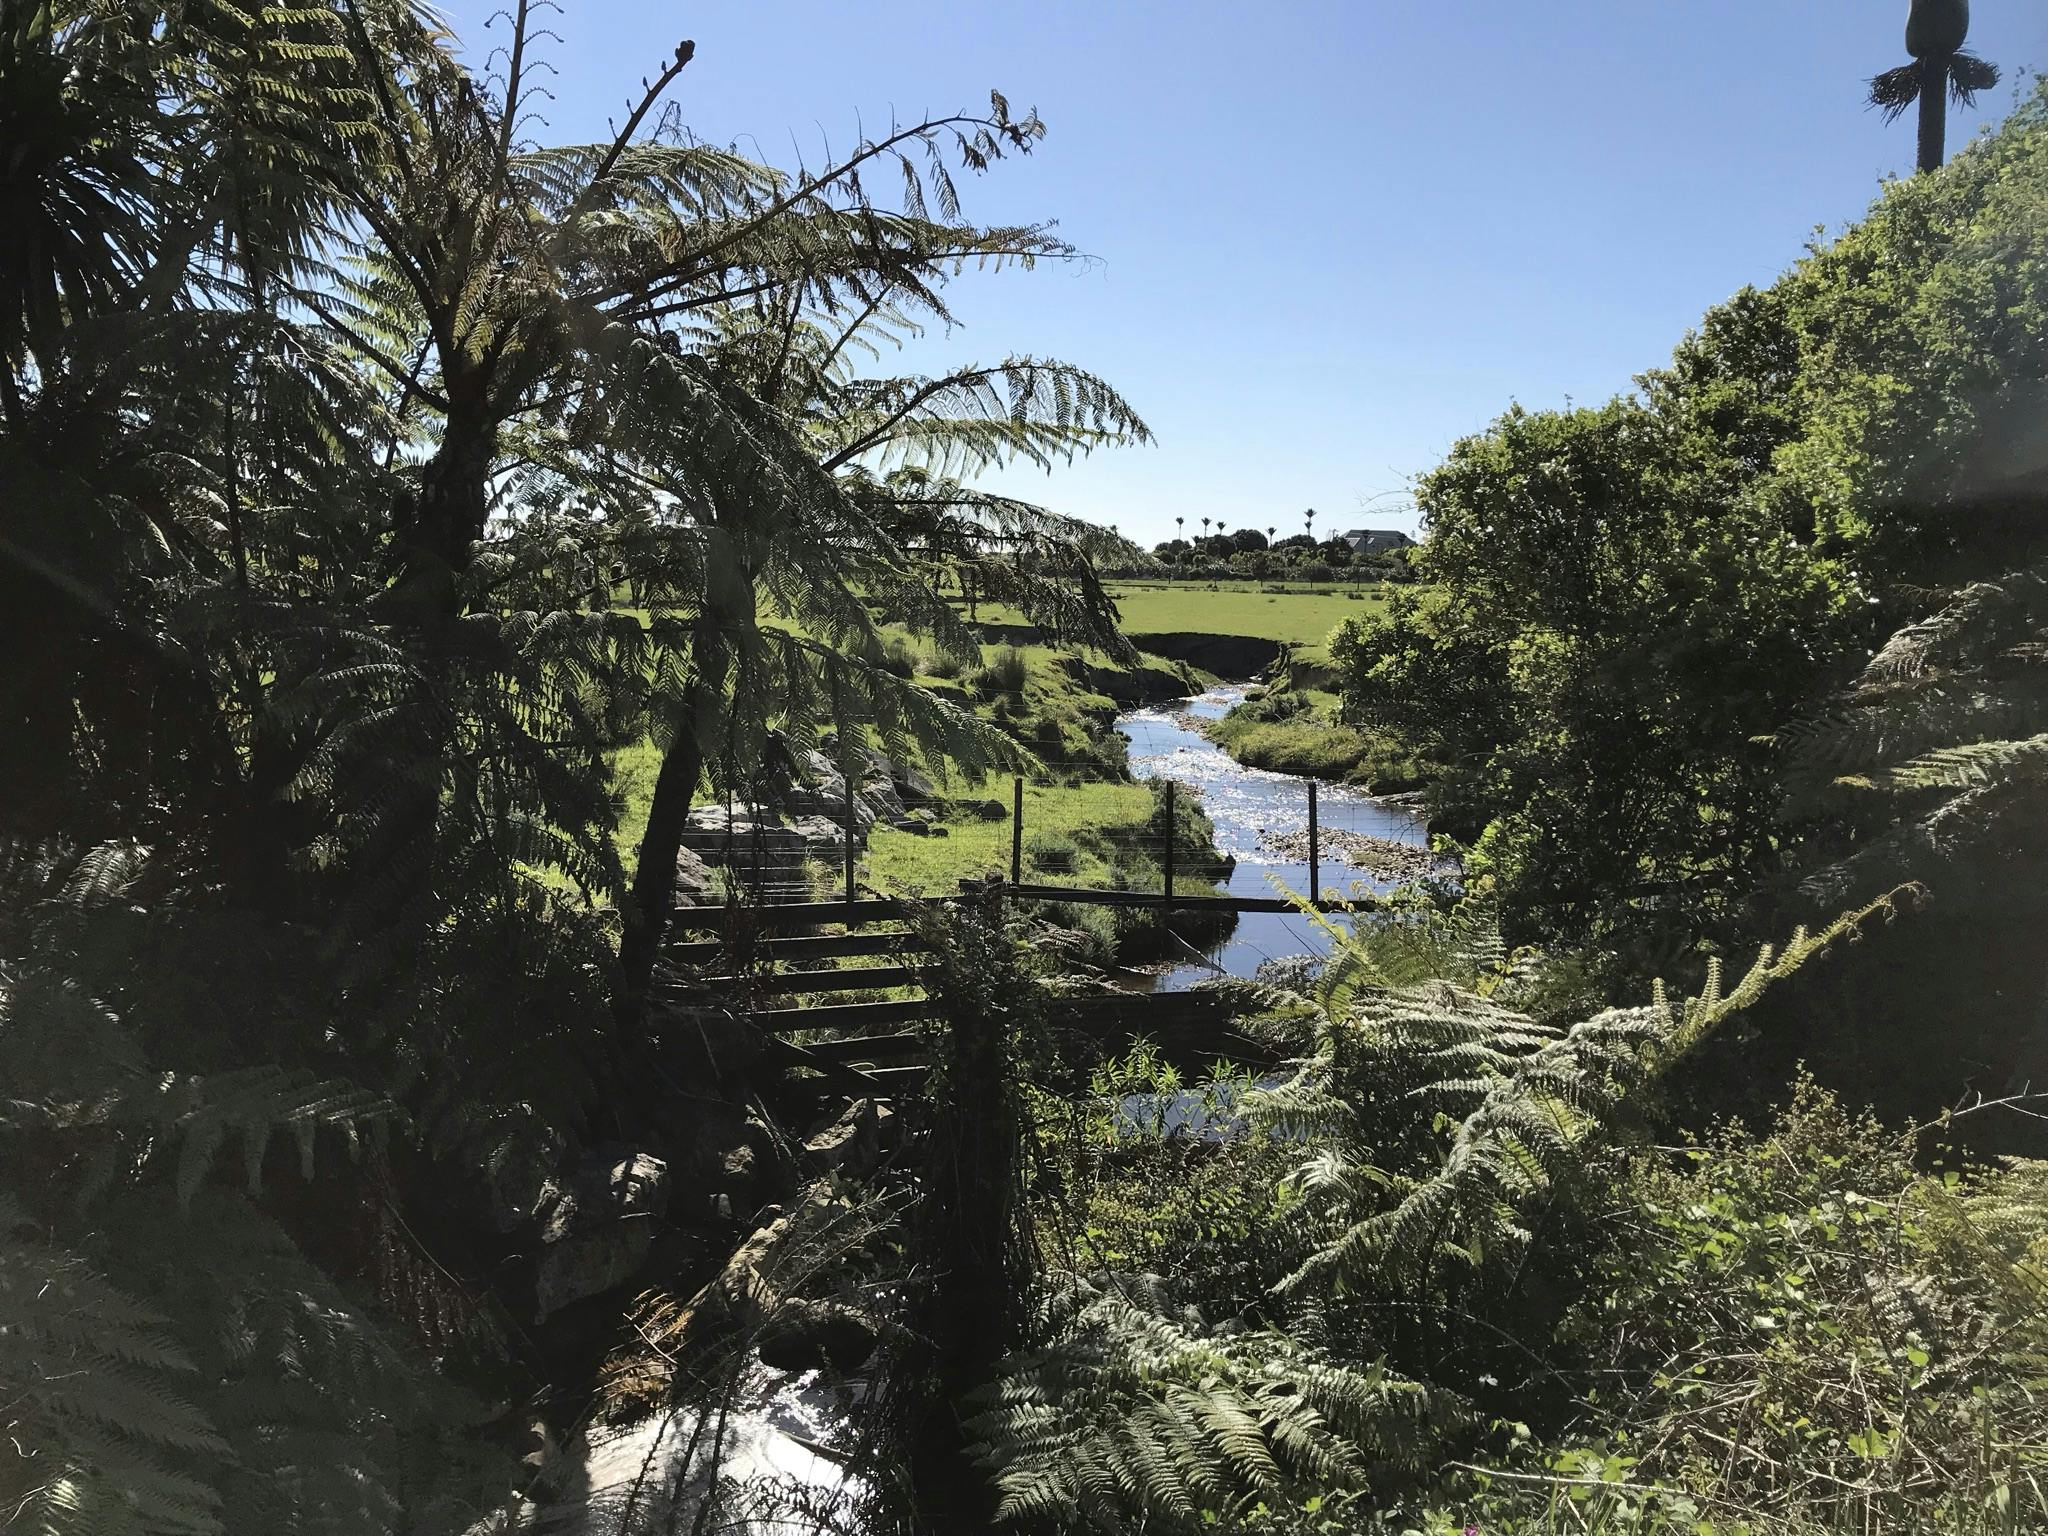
1381	857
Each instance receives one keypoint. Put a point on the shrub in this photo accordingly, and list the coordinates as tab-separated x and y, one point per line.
900	657
1005	672
1052	853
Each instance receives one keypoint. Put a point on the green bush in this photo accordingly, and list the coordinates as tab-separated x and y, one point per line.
1052	853
1004	673
900	657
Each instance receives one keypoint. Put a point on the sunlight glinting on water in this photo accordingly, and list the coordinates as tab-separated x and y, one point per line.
1247	804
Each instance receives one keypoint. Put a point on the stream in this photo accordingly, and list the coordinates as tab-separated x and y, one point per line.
1246	804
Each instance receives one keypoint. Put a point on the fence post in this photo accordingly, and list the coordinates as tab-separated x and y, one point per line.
852	821
1017	833
1315	873
1169	844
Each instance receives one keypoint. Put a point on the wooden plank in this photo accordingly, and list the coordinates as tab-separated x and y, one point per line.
1083	896
825	946
844	978
790	914
848	1016
869	1047
837	1075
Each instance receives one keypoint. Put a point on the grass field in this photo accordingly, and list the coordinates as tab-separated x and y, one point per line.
1298	616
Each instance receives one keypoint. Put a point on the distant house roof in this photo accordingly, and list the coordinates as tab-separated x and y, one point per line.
1373	540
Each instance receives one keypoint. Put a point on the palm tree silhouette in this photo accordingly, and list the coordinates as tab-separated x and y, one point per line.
1935	33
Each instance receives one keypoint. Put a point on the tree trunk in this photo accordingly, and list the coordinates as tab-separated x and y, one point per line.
446	520
653	897
1933	111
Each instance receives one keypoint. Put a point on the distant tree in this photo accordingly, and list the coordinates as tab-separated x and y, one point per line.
1935	33
1248	539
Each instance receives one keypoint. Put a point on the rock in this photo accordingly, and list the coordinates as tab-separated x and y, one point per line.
710	831
880	797
850	1144
520	1152
597	1226
986	810
800	1335
696	884
823	838
913	784
731	1166
939	829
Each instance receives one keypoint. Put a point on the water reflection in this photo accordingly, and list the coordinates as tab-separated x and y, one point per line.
1246	804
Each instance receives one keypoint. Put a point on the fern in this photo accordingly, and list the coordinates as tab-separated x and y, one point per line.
1938	754
1138	1414
1527	1102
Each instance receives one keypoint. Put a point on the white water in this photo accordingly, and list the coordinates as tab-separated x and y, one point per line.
773	1455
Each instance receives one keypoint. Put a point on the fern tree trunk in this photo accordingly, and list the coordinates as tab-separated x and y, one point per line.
652	900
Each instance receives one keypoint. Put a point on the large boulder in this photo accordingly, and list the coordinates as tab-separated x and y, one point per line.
711	830
851	1145
823	837
732	1165
883	803
597	1225
913	784
697	884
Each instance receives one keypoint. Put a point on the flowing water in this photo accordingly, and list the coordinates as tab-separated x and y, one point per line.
1246	804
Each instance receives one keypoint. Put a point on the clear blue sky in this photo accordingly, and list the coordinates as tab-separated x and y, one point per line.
1331	238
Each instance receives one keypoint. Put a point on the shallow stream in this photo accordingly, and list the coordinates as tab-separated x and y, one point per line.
1247	804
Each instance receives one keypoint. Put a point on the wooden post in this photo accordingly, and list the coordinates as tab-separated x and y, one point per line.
1315	873
1169	844
852	821
1017	834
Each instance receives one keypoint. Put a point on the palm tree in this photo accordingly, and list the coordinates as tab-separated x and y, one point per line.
1935	33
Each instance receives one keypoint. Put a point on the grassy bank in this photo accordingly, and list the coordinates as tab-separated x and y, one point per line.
1297	730
1093	835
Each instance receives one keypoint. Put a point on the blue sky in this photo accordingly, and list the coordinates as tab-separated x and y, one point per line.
1329	238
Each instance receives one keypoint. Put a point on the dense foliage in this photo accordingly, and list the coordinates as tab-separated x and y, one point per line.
1637	617
372	477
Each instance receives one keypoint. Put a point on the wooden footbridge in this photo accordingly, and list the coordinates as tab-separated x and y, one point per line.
838	988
